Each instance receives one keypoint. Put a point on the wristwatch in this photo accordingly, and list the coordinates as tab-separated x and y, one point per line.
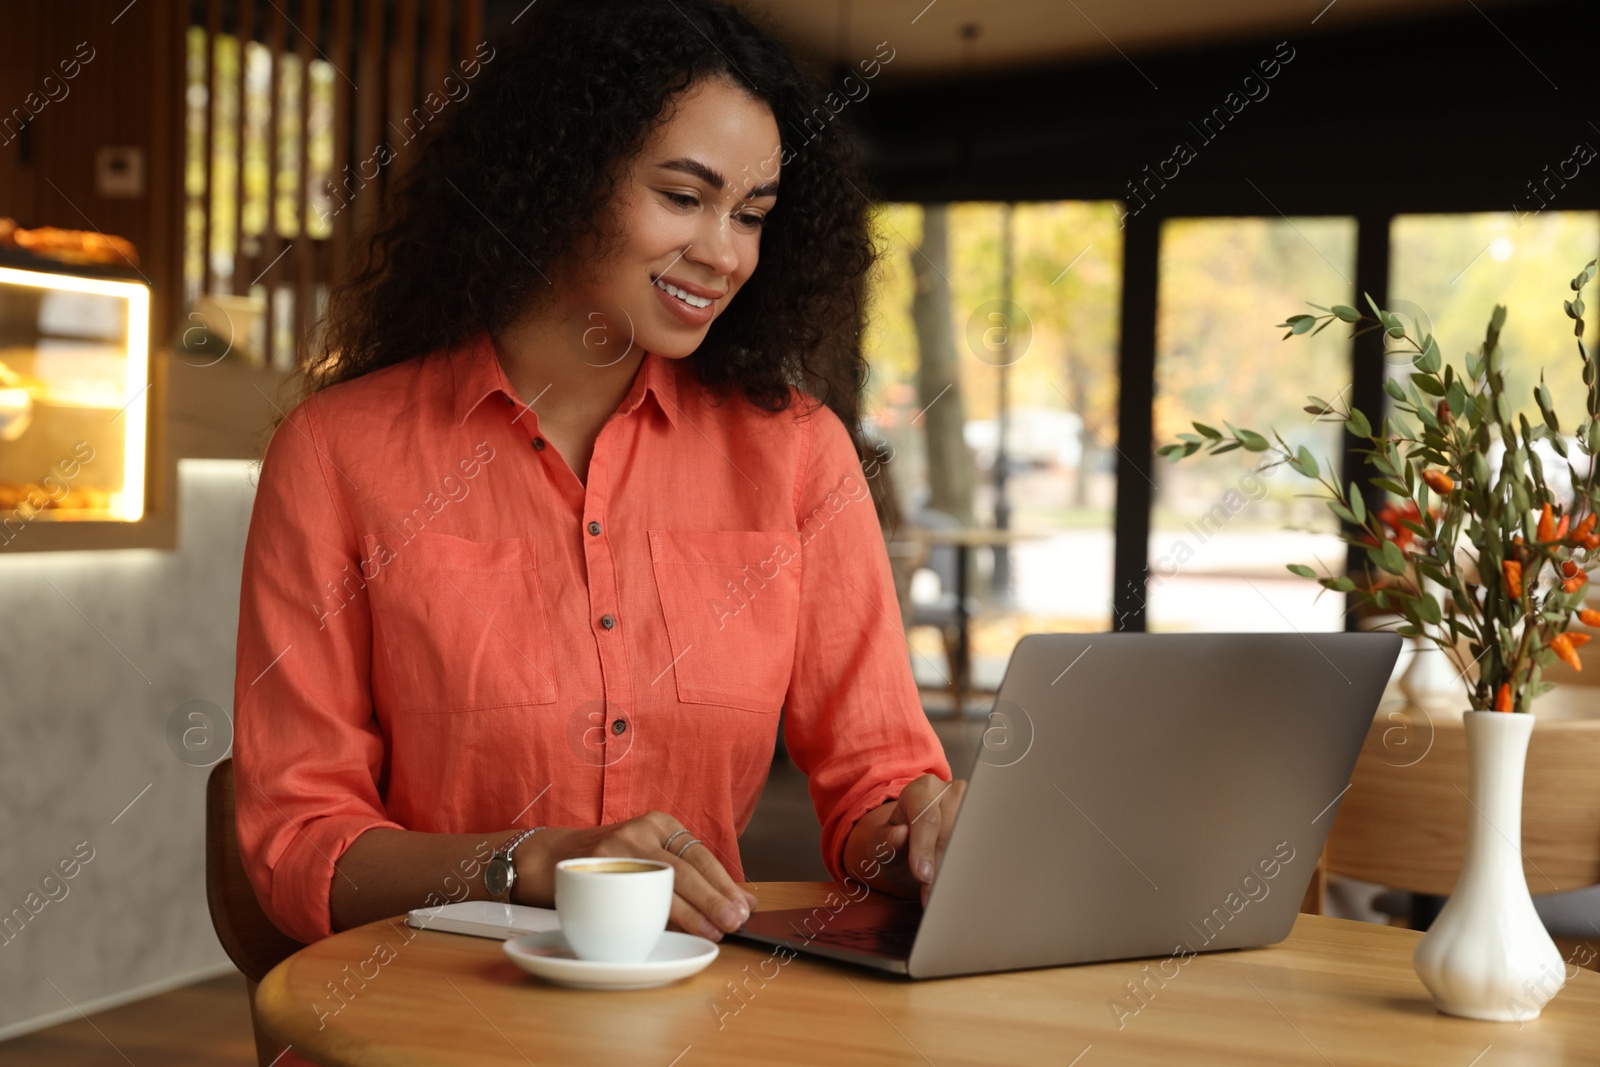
500	874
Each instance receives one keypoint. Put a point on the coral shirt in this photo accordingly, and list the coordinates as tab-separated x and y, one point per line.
442	629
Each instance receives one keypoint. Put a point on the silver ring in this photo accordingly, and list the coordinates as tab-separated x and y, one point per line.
686	844
667	844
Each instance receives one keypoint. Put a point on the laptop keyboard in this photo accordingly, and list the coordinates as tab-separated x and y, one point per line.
896	940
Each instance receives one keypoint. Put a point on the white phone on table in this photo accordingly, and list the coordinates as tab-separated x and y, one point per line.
484	918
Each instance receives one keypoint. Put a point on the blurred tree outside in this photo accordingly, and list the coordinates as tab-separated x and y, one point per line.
1451	270
939	393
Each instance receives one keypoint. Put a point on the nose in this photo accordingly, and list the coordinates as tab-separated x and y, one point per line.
715	246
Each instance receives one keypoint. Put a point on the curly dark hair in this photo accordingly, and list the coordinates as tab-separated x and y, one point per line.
524	166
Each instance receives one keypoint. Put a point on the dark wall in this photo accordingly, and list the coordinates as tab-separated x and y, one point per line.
1450	114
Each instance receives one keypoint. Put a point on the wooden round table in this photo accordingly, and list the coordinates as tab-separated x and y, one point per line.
1336	992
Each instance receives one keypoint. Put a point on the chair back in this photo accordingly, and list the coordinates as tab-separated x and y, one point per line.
248	937
1403	823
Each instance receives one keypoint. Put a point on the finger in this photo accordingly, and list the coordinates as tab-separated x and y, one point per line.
690	921
925	824
705	884
688	884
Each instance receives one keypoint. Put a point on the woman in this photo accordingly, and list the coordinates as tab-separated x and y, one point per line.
562	524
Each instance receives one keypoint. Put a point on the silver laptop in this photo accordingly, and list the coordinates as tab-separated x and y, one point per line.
1136	795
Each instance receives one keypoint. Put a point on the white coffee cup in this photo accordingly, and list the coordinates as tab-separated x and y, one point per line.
613	909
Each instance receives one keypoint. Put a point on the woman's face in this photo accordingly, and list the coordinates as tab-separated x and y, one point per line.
687	214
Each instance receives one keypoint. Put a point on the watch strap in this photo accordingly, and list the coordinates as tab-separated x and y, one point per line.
503	856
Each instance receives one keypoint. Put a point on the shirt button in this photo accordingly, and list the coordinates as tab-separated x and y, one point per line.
594	528
618	726
607	621
538	444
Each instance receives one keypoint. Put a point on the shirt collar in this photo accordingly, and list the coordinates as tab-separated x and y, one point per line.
476	375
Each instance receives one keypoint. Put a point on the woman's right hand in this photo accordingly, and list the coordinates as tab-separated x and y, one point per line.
705	898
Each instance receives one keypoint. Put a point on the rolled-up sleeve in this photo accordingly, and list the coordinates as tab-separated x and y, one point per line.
853	721
308	752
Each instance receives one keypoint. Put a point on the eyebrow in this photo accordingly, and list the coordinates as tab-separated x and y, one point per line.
714	179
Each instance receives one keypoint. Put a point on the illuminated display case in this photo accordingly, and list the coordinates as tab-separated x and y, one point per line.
75	404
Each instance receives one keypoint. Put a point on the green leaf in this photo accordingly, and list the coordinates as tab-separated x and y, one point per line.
1393	388
1388	485
1347	313
1214	434
1253	441
1428	384
1393	561
1308	462
1343	512
1428	608
1302	570
1357	505
1430	358
1358	423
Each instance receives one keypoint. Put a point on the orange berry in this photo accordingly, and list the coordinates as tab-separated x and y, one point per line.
1438	481
1547	525
1502	699
1579	640
1589	617
1562	646
1513	574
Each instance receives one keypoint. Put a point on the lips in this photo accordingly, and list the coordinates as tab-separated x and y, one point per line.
692	288
685	303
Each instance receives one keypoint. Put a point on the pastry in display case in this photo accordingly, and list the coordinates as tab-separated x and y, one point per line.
74	391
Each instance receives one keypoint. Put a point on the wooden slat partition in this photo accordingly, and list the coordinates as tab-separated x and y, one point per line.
268	262
304	251
369	108
339	55
386	56
402	80
213	83
244	28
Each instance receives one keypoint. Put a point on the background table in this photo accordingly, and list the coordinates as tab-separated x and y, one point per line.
1335	992
964	541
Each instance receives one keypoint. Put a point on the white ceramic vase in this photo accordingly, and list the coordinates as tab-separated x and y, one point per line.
1488	955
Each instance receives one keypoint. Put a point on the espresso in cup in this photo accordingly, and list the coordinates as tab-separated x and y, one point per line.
613	910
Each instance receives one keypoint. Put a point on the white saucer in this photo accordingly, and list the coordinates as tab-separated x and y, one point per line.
548	955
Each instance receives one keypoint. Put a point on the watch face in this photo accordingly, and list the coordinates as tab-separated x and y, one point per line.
497	876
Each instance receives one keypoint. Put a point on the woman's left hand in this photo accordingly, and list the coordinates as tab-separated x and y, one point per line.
918	826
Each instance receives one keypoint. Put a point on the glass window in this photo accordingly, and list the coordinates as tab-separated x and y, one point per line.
1056	345
1449	271
1222	528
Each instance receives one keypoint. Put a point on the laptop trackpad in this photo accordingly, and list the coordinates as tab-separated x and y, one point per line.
878	924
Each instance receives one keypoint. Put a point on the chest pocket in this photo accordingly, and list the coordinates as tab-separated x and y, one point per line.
458	625
731	601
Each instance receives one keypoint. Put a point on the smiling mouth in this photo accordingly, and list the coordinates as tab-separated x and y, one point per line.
687	298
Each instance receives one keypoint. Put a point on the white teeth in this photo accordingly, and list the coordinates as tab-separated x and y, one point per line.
692	301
